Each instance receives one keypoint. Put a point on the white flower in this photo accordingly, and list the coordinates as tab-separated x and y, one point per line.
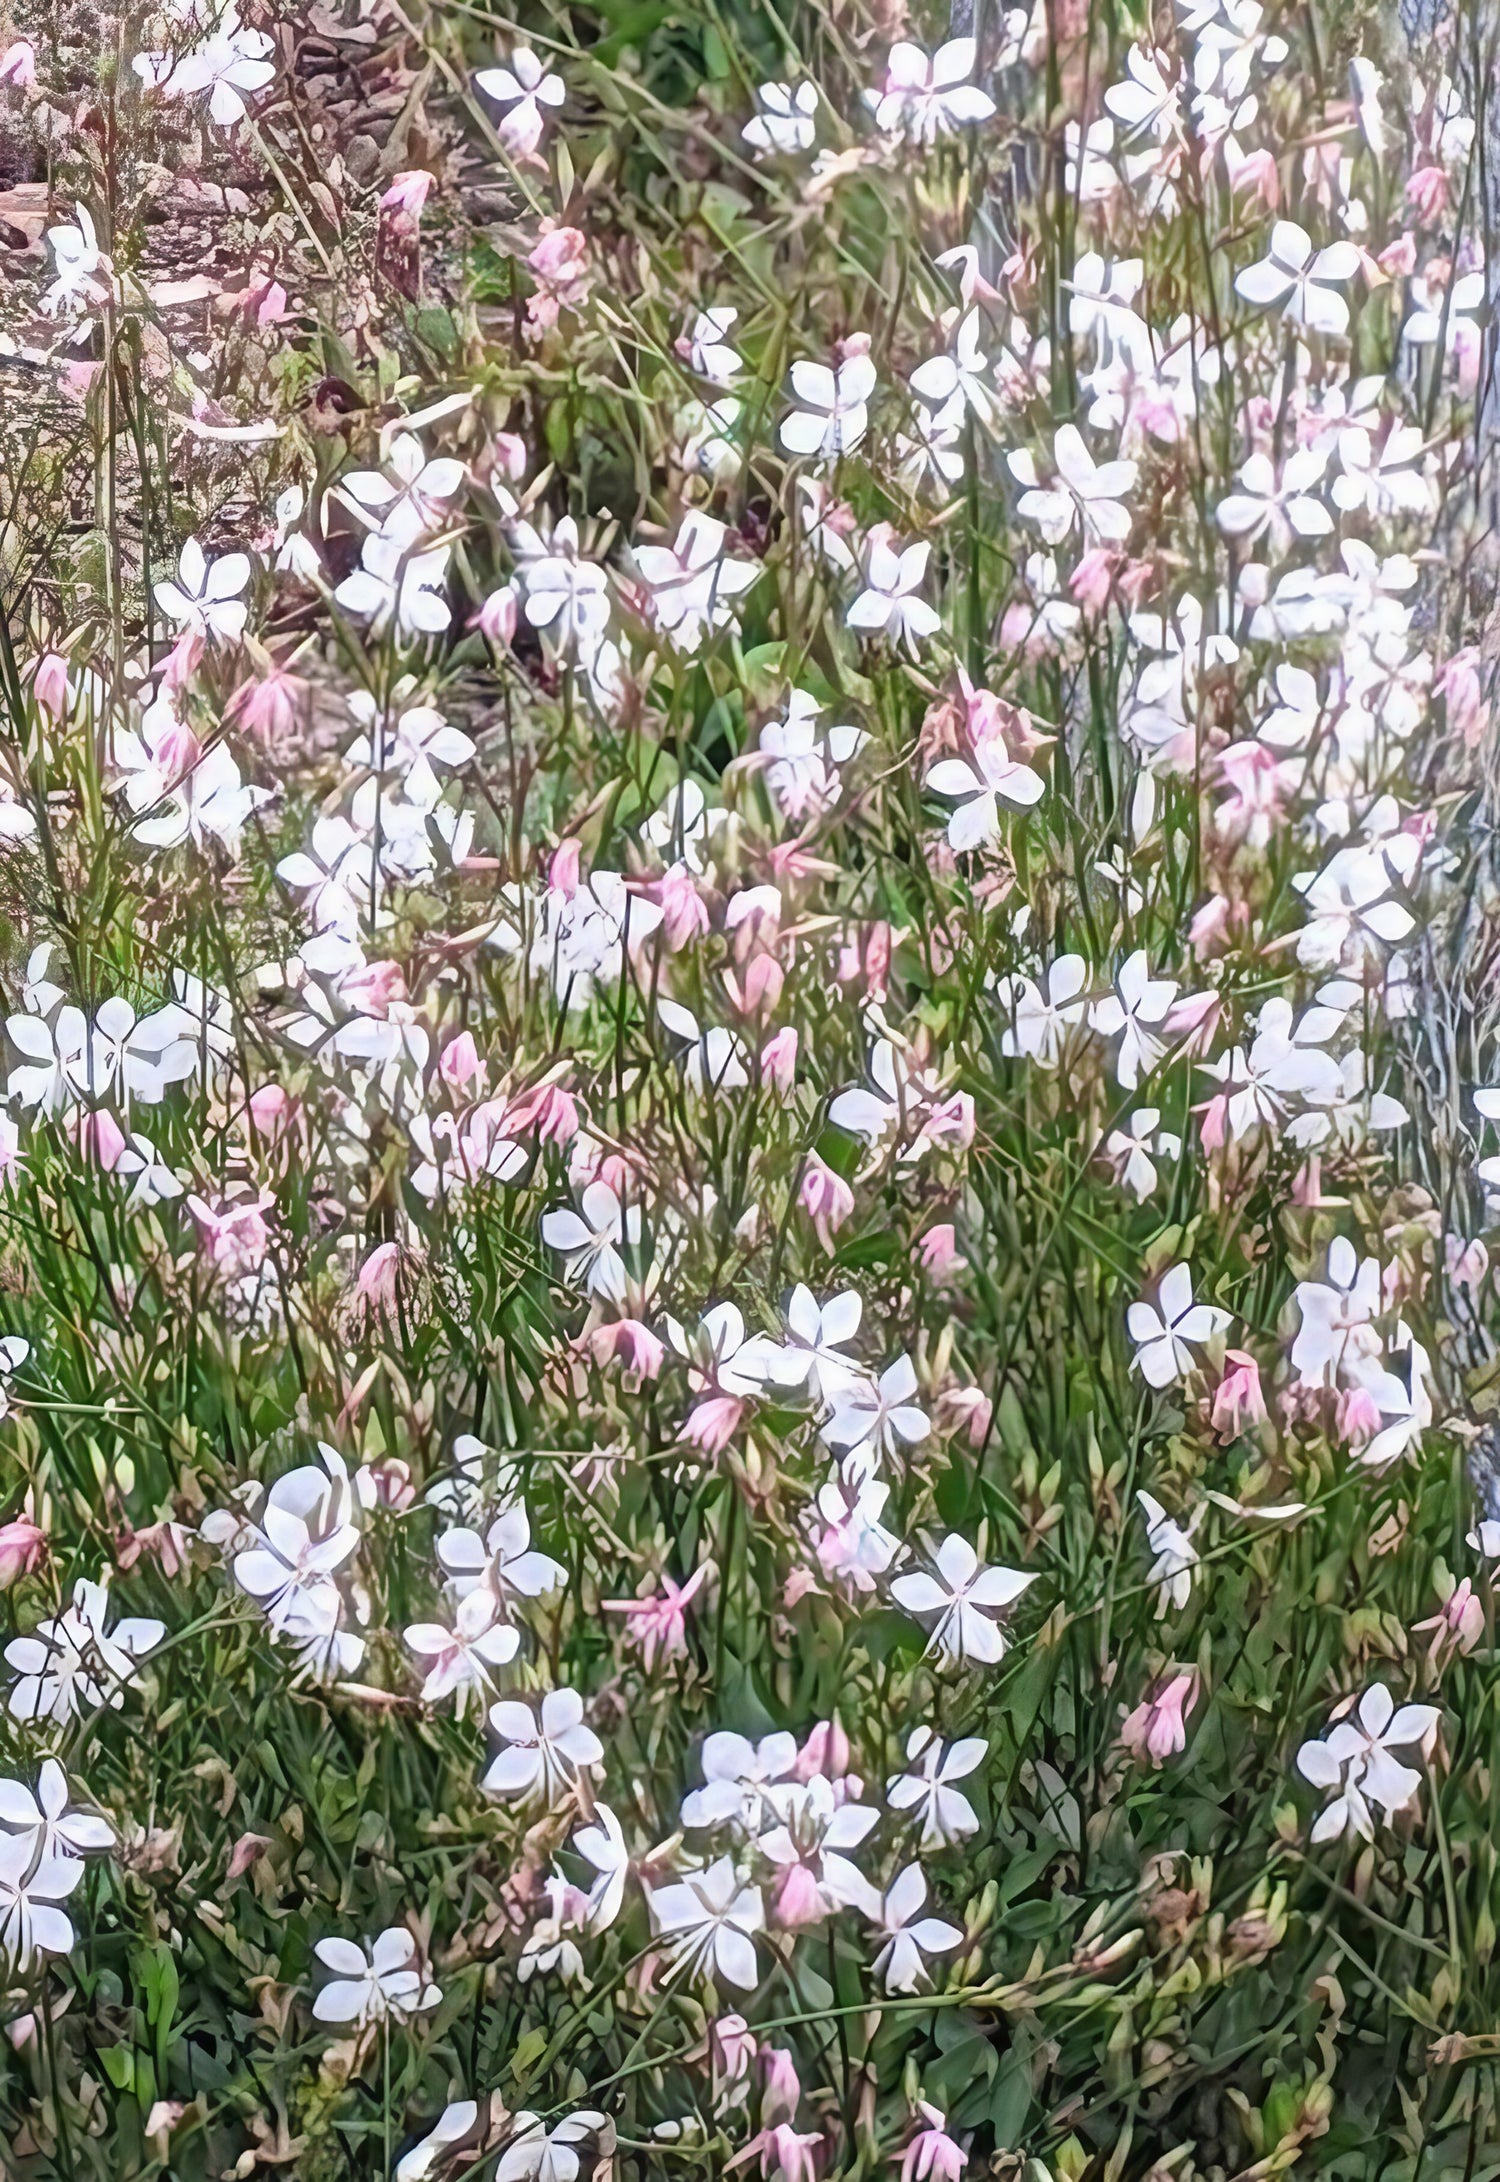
544	1754
80	263
1444	313
231	62
834	415
1354	1761
1147	104
803	769
74	1663
966	1602
1042	1020
693	581
924	98
1130	1151
412	501
813	1353
888	605
1353	914
1175	1554
391	582
1407	1403
603	1846
456	2121
43	1820
536	2153
738	1776
1336	1316
946	1814
369	1988
209	803
856	1546
523	90
959	376
459	1659
785	122
990	778
1290	508
504	1561
1304	284
909	1935
712	1354
871	1420
1131	1013
591	1243
206	596
564	592
1086	493
716	1059
708	349
307	1529
31	1887
1163	1330
417	740
708	1923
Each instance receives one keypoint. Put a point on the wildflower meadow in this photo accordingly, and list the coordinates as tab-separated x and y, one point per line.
750	1097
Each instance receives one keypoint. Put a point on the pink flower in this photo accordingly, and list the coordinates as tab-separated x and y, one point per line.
166	1542
797	1899
660	1623
181	662
1093	579
634	1345
712	1424
1467	1262
21	1548
550	1110
246	1851
1427	194
1399	258
558	265
932	2152
379	1277
684	912
50	685
18	63
782	2093
510	456
498	615
271	1110
778	1060
235	1234
460	1065
937	1251
1238	1400
408	192
969	1407
826	1197
1358	1418
562	871
731	2044
764	980
867	958
826	1751
1156	1729
100	1139
270	706
1458	1626
1459	683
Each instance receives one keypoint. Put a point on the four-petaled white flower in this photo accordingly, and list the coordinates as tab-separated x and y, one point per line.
694	582
591	1240
928	96
545	1753
369	1988
946	1814
1131	1013
1176	1556
708	1922
985	782
1303	281
231	62
834	415
206	596
75	1662
909	1936
786	121
966	1601
1087	494
1354	1763
536	2153
888	606
523	89
1162	1331
1043	1017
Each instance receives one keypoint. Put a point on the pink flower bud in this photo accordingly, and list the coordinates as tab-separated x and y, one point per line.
778	1060
764	979
1093	579
1156	1729
562	872
49	685
937	1250
271	1110
1427	194
246	1851
827	1199
1238	1401
269	707
178	751
408	192
1257	172
100	1139
711	1424
797	1902
498	615
380	1276
460	1064
684	911
1358	1418
395	1487
181	662
782	2092
826	1751
21	1548
932	2155
631	1344
1460	685
510	455
1399	258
